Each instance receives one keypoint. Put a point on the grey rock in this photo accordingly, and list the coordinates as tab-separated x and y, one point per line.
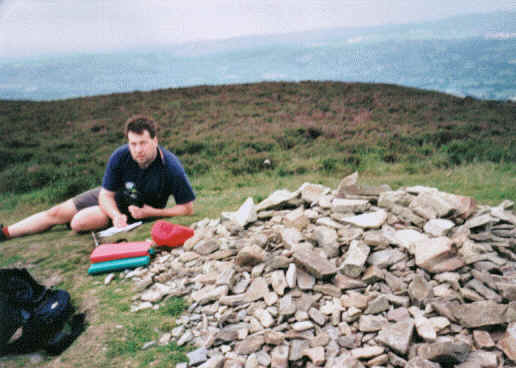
205	247
445	352
507	216
317	316
279	356
438	227
350	205
370	323
156	293
389	199
326	238
197	356
421	363
291	276
425	329
385	258
397	336
431	205
250	344
375	239
250	256
431	252
479	314
315	355
407	238
257	290
349	187
305	281
367	352
312	193
291	237
185	338
508	342
209	294
297	347
279	282
148	345
408	216
216	361
297	219
264	317
246	213
355	259
479	221
276	200
378	305
344	282
287	306
419	289
274	337
314	264
372	220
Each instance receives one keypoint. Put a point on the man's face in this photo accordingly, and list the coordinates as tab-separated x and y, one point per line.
142	148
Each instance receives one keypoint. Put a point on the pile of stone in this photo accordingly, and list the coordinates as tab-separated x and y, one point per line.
360	276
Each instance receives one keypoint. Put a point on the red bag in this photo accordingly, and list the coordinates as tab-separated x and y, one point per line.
171	235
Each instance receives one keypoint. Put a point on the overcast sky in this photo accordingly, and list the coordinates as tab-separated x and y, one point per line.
32	27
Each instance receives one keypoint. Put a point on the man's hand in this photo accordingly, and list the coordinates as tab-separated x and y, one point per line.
140	212
120	220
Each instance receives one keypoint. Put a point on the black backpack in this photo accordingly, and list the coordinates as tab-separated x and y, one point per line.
45	315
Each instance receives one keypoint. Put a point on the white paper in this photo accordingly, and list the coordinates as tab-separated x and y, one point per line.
115	230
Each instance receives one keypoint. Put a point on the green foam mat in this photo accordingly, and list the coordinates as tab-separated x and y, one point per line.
118	264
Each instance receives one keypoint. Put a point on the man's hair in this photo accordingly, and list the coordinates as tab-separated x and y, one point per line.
140	123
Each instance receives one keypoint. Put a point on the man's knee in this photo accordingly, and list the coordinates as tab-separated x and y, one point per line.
88	219
63	212
78	224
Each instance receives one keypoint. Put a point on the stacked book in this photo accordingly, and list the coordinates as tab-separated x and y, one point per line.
119	256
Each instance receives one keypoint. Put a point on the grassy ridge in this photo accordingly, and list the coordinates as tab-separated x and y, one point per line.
300	127
310	132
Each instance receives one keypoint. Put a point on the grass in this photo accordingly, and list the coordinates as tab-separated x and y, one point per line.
310	132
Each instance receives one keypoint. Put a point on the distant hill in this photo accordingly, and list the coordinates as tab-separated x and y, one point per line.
466	56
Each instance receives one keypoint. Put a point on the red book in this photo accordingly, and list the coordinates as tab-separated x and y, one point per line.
112	251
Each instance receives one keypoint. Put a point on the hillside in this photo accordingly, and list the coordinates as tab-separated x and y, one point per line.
300	127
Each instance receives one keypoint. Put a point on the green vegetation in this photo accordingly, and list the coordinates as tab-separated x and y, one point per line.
308	132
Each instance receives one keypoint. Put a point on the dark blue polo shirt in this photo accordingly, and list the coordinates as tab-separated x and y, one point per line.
164	177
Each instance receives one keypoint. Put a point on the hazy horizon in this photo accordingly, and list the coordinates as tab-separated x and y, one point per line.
462	55
32	27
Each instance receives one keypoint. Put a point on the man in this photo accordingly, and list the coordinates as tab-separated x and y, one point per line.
139	178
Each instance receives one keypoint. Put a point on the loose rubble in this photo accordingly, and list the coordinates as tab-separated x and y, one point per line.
359	276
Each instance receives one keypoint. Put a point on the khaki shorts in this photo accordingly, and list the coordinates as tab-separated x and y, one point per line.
87	199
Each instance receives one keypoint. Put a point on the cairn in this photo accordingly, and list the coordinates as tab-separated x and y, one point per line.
359	276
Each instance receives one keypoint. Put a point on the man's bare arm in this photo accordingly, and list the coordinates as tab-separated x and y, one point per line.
108	205
148	211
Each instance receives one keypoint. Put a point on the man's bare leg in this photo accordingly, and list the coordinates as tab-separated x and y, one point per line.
90	218
41	221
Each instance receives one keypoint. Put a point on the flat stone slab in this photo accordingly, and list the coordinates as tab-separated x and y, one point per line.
432	251
438	227
350	205
478	314
397	336
372	220
314	264
276	199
